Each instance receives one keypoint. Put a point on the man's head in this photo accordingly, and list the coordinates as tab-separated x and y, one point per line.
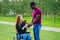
32	5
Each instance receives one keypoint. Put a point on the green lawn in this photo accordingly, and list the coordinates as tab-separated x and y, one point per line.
7	32
49	21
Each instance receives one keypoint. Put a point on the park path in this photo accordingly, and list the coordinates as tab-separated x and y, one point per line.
43	27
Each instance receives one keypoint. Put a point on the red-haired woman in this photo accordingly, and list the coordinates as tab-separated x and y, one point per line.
21	28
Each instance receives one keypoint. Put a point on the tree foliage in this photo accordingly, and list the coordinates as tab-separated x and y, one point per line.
47	6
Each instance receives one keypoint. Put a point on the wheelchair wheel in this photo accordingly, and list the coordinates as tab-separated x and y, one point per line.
16	37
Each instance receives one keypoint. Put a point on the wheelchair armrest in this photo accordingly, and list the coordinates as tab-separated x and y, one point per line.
28	32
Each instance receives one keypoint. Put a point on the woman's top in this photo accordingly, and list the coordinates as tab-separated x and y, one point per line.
19	29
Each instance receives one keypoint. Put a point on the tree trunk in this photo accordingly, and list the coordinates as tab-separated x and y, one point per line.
54	18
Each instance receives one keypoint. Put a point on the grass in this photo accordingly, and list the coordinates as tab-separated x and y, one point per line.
46	21
49	21
7	32
9	19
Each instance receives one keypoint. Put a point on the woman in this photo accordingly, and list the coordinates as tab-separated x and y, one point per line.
21	28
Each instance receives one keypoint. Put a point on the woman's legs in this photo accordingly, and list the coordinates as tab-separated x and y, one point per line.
24	36
28	37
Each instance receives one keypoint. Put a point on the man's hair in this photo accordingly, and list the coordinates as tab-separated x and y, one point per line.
32	3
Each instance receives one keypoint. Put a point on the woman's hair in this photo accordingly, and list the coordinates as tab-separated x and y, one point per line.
18	19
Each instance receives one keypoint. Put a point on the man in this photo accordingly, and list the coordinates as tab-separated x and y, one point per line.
36	20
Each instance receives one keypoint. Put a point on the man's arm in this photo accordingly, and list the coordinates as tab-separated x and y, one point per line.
37	18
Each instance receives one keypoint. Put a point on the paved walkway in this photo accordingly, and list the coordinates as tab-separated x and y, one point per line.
43	27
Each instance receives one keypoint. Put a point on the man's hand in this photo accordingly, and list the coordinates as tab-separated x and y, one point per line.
30	24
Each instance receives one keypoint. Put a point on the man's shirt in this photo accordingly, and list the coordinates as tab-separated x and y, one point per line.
35	12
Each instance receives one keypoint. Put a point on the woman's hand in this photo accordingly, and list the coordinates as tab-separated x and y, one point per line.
23	28
26	25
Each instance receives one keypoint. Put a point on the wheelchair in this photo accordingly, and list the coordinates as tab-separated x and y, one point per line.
17	37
